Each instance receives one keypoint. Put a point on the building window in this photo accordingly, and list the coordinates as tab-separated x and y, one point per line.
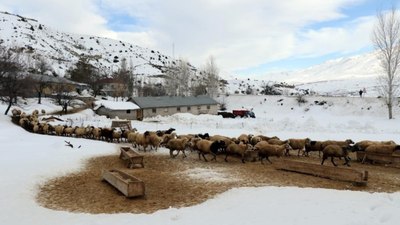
153	110
178	109
208	107
166	110
128	111
199	107
188	108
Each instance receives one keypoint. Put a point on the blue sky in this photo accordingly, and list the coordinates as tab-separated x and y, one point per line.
245	37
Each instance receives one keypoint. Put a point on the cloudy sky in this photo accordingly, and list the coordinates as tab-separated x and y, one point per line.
244	36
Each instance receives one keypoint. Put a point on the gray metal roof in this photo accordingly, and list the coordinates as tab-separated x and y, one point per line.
173	101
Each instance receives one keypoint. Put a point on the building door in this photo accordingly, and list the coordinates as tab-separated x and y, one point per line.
139	114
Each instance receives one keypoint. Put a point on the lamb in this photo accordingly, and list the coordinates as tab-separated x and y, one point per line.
265	150
298	144
208	147
240	149
335	150
313	146
179	144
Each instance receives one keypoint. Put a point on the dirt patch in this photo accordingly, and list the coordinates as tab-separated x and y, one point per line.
185	182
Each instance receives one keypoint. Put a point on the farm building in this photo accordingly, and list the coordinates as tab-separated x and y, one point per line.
122	110
169	105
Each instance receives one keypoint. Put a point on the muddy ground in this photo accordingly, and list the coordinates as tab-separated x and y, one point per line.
185	182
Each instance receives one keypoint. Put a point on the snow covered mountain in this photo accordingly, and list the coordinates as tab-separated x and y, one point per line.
343	76
338	77
62	50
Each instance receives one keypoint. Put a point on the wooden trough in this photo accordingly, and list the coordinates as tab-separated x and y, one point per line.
133	158
393	158
129	185
335	173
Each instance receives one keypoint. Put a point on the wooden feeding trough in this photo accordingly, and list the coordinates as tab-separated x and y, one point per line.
359	178
133	158
129	185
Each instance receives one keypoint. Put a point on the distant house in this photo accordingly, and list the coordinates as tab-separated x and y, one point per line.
169	105
112	109
113	87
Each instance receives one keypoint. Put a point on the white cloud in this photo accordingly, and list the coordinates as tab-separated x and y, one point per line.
238	33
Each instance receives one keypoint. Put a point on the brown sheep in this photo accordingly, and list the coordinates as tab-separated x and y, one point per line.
96	133
68	131
345	143
266	138
274	141
245	138
143	140
313	146
59	129
132	138
265	150
241	149
362	145
178	144
338	151
80	132
255	139
298	144
155	140
382	149
203	148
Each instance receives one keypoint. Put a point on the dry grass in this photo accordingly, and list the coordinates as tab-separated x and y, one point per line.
184	182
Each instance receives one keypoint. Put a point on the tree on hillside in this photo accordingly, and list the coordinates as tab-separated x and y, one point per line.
41	84
84	72
12	83
210	73
386	39
178	78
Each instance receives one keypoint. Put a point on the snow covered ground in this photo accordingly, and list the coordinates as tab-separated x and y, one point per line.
27	160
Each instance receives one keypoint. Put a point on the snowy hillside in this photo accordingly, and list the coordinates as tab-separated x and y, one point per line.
62	50
339	77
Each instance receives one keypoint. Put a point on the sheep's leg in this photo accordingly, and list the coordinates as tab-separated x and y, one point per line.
184	155
323	159
261	159
268	159
347	161
226	157
204	157
214	157
333	161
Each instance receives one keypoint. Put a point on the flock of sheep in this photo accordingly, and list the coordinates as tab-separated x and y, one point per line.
247	146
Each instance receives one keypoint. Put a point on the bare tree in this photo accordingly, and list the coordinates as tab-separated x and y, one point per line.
211	75
11	77
386	39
